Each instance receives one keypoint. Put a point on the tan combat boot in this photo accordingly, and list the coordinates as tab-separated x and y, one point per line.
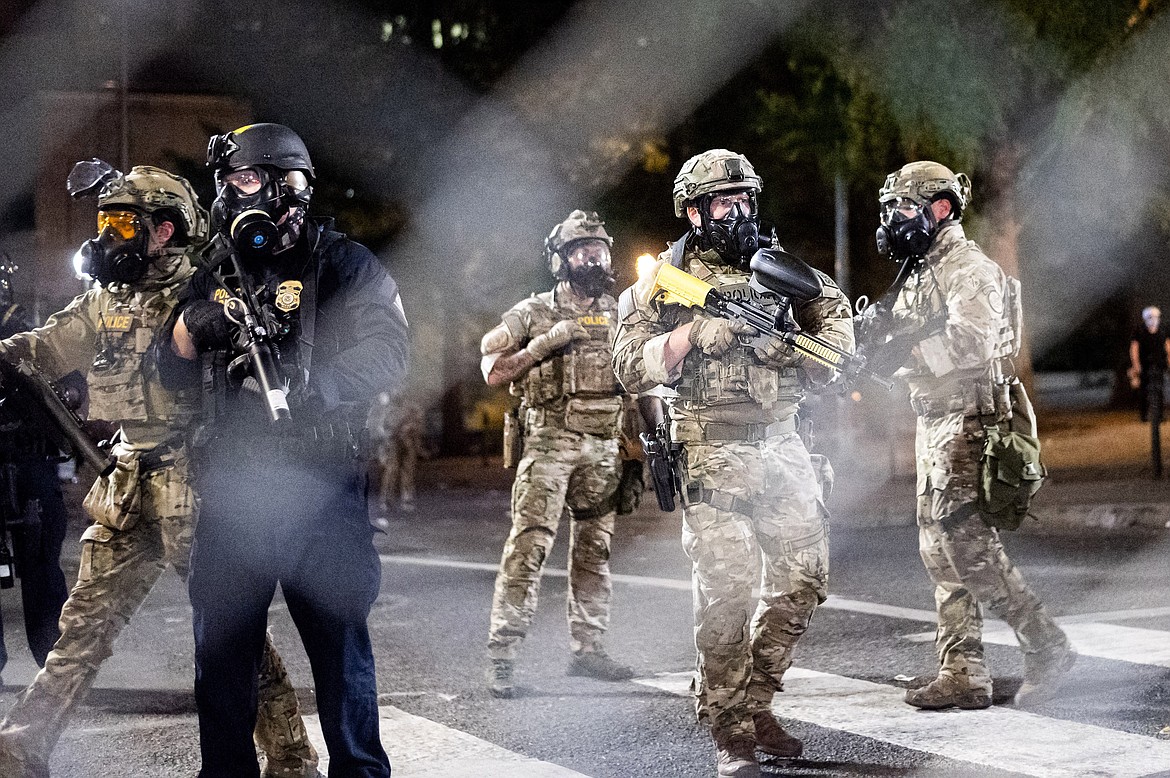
599	665
15	763
290	769
735	757
499	679
1044	672
771	737
946	691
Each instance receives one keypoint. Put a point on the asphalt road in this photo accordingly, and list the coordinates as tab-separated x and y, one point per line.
430	622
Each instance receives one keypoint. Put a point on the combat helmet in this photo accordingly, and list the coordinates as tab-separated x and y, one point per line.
924	182
580	225
264	143
713	171
145	188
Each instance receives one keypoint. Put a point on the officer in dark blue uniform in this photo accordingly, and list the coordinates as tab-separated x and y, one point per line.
31	505
288	381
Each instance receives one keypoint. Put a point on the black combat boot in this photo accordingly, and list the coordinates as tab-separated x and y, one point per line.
499	678
771	738
1044	672
599	665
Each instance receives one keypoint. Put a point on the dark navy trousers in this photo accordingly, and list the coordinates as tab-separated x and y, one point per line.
299	519
36	548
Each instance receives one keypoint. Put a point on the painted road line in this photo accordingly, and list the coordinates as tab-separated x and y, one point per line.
834	602
999	737
492	567
421	748
1104	641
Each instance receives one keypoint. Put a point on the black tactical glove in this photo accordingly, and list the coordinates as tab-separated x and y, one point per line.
630	488
208	325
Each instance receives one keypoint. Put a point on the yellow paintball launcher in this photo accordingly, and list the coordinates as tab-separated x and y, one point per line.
775	274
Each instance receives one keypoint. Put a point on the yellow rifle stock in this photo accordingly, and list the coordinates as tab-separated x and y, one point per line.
673	286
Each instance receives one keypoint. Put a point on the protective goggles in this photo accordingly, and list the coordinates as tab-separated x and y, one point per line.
723	204
125	223
590	253
899	209
249	181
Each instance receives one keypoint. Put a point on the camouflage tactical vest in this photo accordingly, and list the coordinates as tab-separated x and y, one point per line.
124	383
578	385
737	376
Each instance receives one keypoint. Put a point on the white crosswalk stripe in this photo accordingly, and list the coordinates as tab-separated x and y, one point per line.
1105	641
1051	748
421	748
1001	737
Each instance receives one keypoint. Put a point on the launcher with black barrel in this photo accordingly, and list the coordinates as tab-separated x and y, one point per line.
784	278
27	387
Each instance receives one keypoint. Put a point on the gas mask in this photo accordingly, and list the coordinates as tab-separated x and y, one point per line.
261	209
119	254
907	229
590	270
735	235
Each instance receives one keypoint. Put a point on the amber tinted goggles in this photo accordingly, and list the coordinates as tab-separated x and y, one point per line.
125	223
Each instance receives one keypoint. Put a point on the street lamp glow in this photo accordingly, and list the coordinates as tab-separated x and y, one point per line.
80	274
645	264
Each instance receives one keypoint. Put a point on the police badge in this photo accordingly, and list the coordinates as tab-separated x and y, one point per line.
288	295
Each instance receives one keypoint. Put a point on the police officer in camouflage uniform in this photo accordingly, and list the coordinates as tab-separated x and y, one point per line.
960	378
554	349
752	499
149	223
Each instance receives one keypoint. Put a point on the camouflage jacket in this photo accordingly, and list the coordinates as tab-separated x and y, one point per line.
581	374
735	388
959	281
106	334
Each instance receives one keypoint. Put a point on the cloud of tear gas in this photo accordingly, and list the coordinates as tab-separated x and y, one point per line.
1089	194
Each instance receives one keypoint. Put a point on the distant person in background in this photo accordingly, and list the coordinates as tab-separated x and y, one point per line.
1149	354
398	426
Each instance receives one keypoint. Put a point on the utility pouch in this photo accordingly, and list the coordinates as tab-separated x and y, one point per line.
115	500
594	417
1010	474
630	487
513	438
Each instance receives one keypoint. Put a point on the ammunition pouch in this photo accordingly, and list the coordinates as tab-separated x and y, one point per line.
630	487
980	397
115	500
600	417
721	432
1010	469
513	438
1010	474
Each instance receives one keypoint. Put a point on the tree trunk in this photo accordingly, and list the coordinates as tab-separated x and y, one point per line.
841	233
1003	235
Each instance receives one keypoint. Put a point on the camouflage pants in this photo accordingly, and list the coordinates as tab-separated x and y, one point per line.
118	570
559	468
782	547
398	464
965	557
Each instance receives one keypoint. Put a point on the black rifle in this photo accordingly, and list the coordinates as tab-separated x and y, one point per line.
28	388
254	327
882	341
